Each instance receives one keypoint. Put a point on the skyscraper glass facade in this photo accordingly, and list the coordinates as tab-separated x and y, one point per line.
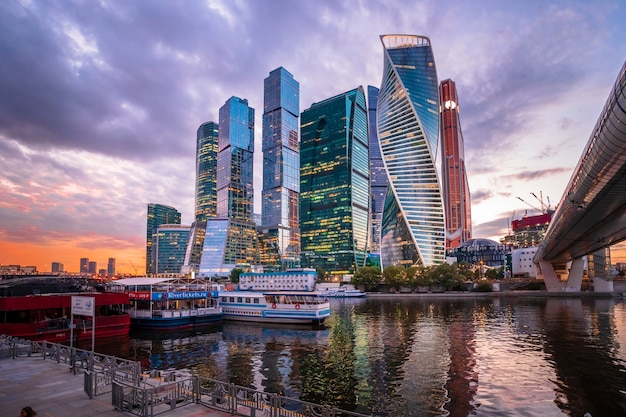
233	222
413	226
456	194
206	192
206	171
334	184
158	214
235	196
169	243
280	233
378	175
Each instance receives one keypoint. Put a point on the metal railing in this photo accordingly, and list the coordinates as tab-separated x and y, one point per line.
148	401
151	395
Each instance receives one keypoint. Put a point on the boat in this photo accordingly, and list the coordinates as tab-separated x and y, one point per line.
171	303
342	292
286	307
40	309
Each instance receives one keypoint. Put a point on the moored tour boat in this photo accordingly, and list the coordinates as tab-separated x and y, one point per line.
40	309
343	292
287	307
171	303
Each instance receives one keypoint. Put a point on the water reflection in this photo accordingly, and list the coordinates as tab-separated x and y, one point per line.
419	357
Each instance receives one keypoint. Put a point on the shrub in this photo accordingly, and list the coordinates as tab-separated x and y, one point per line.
483	287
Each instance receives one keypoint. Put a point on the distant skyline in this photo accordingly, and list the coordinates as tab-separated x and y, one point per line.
100	101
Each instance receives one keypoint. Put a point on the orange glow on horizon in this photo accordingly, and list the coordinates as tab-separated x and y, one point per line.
69	253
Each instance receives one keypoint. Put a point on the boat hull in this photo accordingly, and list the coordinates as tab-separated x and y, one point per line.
175	322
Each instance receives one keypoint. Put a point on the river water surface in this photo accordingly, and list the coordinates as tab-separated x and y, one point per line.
493	356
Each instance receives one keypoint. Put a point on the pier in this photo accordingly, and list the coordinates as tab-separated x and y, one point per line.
58	381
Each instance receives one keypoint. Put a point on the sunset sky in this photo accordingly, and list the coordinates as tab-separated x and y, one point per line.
100	101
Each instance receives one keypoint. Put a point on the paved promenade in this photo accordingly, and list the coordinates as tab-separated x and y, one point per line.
53	391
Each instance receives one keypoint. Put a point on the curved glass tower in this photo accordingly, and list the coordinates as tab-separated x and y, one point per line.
413	226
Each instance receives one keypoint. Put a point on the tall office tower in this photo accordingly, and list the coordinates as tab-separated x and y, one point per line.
378	175
158	214
236	242
111	267
279	234
169	243
413	225
93	267
84	265
206	193
334	184
456	193
57	267
206	171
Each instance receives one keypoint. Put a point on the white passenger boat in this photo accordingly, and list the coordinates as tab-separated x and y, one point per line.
168	303
343	292
289	307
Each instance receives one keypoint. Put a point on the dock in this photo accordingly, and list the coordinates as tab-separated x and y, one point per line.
53	390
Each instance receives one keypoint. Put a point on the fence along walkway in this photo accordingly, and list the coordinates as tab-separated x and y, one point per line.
159	392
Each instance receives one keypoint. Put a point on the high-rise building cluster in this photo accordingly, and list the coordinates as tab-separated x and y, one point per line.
351	181
87	267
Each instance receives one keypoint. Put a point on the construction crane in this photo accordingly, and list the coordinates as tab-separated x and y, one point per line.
133	265
545	208
530	205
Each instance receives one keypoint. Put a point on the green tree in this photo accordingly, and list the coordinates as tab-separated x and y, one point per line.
369	276
465	269
446	276
492	274
393	276
234	275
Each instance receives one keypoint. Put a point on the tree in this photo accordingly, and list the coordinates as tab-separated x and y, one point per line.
394	276
369	276
446	276
234	275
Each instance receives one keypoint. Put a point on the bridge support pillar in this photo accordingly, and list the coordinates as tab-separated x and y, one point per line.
552	281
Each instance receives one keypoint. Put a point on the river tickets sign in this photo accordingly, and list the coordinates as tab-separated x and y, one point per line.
83	306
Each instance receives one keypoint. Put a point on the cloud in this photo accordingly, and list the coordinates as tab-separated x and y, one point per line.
537	174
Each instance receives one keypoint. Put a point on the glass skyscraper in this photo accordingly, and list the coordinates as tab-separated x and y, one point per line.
206	171
456	193
169	242
378	175
334	184
206	193
158	214
235	195
279	232
413	226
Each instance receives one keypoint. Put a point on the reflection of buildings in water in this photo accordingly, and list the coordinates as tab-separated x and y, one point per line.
462	377
275	353
579	335
402	339
174	350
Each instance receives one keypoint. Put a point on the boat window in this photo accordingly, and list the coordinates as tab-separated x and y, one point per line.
256	301
232	299
247	300
239	299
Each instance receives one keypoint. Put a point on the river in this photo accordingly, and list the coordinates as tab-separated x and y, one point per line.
485	356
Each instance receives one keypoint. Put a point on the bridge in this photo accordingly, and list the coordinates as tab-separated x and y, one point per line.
592	212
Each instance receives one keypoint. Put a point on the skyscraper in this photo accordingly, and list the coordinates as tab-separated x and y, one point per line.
413	226
334	184
111	267
206	171
378	175
169	242
206	193
456	193
279	231
84	265
235	195
158	214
